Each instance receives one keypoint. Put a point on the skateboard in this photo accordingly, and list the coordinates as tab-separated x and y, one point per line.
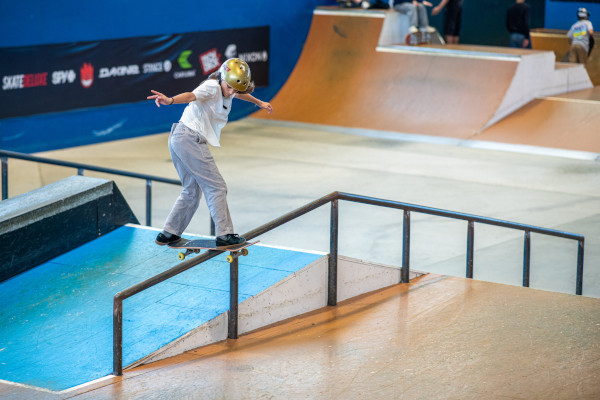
196	245
413	39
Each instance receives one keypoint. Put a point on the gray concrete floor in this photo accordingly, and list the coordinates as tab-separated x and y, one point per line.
274	168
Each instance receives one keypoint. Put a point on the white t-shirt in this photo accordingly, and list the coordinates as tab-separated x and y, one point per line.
580	33
208	114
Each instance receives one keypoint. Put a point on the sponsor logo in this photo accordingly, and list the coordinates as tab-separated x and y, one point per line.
210	61
184	74
161	66
122	70
182	60
231	51
87	75
23	81
255	56
62	77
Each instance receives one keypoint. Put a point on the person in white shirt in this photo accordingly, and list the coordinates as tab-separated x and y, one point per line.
200	125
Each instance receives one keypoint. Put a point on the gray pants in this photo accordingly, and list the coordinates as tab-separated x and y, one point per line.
417	16
198	173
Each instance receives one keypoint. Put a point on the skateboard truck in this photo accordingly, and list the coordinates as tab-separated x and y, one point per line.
195	246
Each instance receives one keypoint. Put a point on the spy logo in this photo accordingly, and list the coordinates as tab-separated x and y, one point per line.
183	59
87	75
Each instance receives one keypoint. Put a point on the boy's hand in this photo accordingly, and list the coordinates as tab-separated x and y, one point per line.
159	98
266	106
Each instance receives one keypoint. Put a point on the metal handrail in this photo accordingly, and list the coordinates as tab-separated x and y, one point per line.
5	155
334	198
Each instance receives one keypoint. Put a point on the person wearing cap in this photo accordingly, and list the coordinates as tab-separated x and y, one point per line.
206	113
581	37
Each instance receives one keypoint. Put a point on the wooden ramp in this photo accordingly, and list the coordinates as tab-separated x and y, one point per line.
346	77
437	338
567	121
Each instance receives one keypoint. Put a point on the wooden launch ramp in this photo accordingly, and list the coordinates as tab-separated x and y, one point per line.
350	74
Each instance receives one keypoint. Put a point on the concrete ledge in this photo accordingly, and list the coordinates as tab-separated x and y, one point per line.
52	199
46	222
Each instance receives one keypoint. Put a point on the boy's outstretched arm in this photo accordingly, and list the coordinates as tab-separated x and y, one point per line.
262	104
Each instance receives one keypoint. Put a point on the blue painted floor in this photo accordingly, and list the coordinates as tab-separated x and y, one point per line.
56	319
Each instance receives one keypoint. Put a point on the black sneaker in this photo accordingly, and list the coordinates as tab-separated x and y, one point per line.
230	240
166	238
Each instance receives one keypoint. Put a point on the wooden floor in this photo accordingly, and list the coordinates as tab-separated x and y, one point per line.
437	338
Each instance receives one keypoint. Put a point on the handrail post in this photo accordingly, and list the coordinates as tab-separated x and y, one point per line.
80	171
148	202
4	178
232	326
470	248
405	273
579	287
117	336
333	255
526	258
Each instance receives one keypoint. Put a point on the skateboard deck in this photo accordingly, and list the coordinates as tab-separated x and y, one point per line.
421	37
413	39
196	245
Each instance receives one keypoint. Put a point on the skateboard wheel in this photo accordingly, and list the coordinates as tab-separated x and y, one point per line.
244	252
181	256
229	259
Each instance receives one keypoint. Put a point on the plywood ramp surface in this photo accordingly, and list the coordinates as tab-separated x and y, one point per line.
345	78
566	122
341	79
439	337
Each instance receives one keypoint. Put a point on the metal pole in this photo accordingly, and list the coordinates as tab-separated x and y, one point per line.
80	171
148	202
470	248
117	337
233	299
4	178
579	288
404	278
526	259
333	255
212	226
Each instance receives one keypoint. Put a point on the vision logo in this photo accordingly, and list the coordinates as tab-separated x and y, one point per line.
182	60
87	75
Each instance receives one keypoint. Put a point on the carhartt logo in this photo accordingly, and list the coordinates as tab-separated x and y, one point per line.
87	75
183	59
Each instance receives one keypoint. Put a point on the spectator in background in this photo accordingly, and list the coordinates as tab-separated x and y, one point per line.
581	37
517	23
452	18
416	12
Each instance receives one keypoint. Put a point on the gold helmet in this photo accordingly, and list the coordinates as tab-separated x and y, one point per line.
236	73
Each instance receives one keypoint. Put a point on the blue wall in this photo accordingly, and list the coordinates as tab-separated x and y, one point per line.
562	14
37	22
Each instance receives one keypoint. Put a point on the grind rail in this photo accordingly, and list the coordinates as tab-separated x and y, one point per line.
334	198
5	155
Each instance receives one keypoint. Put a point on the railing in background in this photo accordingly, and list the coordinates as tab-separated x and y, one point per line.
5	155
334	198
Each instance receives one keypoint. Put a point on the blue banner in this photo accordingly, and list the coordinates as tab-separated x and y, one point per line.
54	78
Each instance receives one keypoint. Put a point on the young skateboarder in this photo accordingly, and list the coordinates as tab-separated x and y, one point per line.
200	125
581	38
